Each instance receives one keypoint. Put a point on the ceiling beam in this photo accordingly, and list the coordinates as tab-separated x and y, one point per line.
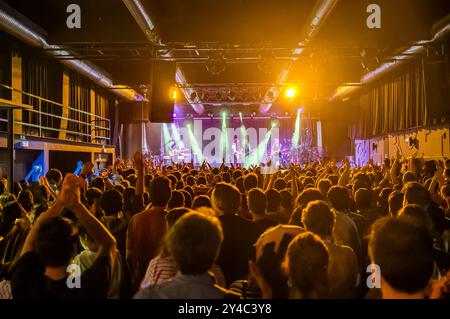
320	13
137	10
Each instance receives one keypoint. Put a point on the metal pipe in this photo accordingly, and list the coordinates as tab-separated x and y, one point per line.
147	26
20	27
320	13
418	48
10	149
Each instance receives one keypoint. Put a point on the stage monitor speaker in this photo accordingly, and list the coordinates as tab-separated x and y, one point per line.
437	88
161	106
132	112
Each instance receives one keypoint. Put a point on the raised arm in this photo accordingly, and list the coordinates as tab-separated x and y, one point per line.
394	167
345	177
438	180
70	195
139	165
294	186
53	211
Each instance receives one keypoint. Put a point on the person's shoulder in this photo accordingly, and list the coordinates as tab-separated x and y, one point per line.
158	291
343	249
139	216
227	294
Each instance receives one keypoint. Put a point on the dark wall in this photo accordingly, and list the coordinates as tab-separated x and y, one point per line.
336	141
65	161
23	162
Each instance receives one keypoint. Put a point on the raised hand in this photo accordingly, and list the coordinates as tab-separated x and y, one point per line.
87	169
438	174
70	192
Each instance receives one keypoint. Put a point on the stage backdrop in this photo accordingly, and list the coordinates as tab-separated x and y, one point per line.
216	139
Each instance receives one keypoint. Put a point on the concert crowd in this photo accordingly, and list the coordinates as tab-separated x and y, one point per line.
141	230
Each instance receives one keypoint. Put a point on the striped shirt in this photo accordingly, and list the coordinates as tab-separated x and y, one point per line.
163	268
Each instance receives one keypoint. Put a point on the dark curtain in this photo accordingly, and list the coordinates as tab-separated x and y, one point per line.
396	104
42	77
79	98
104	104
5	76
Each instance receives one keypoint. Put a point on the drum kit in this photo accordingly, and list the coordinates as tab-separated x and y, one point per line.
178	156
299	154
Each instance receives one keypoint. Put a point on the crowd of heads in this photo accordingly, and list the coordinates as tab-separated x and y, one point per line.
318	230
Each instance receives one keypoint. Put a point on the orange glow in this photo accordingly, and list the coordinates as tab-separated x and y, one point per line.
291	92
173	93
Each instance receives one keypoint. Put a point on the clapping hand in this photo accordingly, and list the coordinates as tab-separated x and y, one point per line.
70	192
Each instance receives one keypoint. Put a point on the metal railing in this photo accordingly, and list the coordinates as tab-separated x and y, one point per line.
95	129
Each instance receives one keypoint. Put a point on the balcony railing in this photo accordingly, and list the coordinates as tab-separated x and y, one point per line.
36	122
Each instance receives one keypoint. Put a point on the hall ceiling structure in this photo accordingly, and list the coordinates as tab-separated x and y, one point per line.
246	42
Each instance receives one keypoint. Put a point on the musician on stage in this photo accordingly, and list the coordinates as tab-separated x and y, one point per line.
276	151
235	147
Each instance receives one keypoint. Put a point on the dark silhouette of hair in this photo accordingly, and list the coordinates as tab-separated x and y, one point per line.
273	200
55	242
308	195
404	253
160	191
307	264
111	202
201	201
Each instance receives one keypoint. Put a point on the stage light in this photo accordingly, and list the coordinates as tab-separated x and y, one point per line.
196	149
296	135
174	115
167	138
259	153
291	92
275	122
224	135
176	136
173	93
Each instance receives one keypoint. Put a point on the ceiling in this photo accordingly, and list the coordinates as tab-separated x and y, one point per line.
262	31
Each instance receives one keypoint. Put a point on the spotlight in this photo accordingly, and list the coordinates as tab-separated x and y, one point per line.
291	92
275	122
173	93
189	123
174	115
